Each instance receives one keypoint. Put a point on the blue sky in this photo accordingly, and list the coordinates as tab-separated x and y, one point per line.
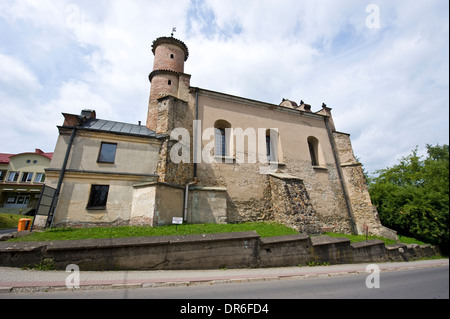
387	85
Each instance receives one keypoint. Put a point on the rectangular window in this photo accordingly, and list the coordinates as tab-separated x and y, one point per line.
40	178
13	176
98	197
11	199
27	177
2	175
107	153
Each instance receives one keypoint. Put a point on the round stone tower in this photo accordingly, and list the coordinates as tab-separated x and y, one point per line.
167	77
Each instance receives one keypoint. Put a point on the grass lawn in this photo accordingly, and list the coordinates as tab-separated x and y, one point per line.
358	238
264	229
9	221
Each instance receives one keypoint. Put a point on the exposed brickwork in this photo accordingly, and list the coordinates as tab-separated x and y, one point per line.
160	88
173	113
164	61
168	67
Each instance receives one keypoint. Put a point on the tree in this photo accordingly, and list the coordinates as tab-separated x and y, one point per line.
412	197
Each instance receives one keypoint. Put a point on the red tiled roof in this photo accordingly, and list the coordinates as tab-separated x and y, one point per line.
5	157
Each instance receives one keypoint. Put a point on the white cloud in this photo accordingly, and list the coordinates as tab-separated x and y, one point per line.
16	75
388	87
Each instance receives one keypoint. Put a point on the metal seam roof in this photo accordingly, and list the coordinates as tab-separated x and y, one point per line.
118	127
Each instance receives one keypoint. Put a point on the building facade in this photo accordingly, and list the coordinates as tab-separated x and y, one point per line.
21	179
210	157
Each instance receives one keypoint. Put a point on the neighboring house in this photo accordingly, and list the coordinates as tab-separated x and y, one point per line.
106	160
21	179
241	160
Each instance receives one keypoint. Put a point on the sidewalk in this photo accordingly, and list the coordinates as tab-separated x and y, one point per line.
13	279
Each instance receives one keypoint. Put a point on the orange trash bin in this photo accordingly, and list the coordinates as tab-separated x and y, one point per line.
24	224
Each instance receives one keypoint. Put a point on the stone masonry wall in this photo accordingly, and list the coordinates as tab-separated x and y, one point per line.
364	212
325	193
174	113
291	205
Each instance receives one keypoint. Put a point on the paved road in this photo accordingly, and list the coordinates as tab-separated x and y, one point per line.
7	231
429	280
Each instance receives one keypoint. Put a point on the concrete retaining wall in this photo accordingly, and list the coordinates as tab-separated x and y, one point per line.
210	251
282	251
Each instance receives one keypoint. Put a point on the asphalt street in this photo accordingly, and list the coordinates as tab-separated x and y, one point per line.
410	280
7	231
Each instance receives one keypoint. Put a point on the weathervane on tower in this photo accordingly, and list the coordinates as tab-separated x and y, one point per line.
174	29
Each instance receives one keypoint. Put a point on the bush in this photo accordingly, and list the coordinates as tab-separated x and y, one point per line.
412	197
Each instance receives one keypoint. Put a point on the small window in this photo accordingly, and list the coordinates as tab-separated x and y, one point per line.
171	56
313	145
169	82
268	147
107	153
27	177
312	152
98	197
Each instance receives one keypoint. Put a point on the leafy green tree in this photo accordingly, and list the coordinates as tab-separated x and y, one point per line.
412	197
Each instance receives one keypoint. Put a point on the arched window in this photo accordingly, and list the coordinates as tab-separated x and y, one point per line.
220	145
268	147
273	146
222	136
313	145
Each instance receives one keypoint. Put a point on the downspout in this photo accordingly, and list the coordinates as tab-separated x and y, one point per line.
195	137
341	179
186	191
61	177
186	198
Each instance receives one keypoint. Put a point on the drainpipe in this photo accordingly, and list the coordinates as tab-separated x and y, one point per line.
186	191
341	179
196	137
186	198
61	177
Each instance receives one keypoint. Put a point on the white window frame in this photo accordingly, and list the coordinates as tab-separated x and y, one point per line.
40	178
13	176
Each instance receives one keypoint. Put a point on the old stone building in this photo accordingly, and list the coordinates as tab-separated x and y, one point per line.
210	157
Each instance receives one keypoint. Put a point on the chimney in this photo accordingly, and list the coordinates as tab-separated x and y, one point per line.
88	114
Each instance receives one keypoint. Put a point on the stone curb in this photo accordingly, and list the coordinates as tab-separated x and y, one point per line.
152	284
